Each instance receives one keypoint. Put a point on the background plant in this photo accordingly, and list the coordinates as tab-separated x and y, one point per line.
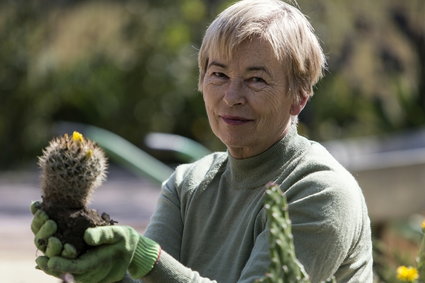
130	67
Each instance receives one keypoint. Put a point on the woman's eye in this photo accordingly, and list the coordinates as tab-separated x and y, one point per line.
257	80
219	75
217	78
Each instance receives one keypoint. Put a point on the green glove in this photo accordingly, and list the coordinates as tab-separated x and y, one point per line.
116	249
44	229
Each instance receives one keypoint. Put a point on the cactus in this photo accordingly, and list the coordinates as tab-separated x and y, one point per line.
72	168
284	266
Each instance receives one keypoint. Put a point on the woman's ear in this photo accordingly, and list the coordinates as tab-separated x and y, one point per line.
299	104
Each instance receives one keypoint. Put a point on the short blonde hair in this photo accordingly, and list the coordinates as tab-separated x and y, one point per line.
288	31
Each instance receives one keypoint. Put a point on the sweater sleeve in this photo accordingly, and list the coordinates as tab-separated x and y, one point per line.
331	234
168	269
166	224
166	228
259	261
329	222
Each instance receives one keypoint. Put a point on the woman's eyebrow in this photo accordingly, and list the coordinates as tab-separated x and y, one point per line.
259	68
215	63
253	68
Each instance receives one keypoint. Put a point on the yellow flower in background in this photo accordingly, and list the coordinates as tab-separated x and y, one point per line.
405	273
423	225
76	136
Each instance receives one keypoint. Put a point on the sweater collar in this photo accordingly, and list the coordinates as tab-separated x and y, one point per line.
256	171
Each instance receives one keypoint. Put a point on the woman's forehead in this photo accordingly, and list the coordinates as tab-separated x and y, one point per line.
258	50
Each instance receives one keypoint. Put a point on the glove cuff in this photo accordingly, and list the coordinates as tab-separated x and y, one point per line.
145	256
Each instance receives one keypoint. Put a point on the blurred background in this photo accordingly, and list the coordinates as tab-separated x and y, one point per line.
130	68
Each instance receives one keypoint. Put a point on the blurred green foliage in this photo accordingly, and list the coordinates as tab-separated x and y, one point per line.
130	67
375	82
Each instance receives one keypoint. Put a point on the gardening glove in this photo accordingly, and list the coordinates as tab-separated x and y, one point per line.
115	250
44	229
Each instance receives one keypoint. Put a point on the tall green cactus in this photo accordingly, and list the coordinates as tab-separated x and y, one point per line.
284	267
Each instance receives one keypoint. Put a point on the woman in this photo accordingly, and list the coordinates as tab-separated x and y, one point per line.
258	63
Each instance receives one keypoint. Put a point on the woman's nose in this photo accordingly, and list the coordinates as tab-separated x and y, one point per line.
234	94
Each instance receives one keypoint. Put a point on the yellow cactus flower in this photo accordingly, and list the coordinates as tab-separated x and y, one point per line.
408	274
423	225
76	136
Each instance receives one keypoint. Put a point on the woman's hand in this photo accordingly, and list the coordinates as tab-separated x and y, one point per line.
115	249
44	229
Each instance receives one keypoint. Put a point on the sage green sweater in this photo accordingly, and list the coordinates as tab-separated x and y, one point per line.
211	224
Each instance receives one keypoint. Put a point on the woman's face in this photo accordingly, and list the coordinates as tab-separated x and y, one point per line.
246	99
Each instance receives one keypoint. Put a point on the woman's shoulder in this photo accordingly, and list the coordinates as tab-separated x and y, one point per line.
317	171
197	171
318	158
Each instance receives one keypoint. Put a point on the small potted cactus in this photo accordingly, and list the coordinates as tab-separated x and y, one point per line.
72	168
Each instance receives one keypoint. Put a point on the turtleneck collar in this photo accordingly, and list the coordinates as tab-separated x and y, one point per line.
253	172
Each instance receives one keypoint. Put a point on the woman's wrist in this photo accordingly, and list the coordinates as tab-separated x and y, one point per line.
146	255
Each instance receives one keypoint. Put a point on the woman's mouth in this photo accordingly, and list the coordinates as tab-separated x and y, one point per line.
235	120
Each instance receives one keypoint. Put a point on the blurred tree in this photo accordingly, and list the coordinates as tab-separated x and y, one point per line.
22	120
374	83
126	66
